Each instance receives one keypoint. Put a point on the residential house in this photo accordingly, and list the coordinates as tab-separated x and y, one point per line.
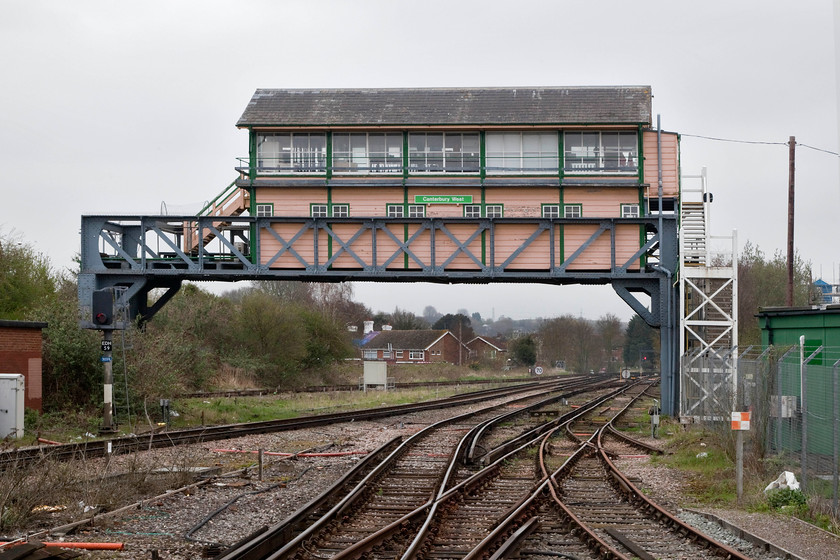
415	346
487	350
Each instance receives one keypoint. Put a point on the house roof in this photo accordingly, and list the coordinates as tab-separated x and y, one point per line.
22	324
449	106
405	340
495	343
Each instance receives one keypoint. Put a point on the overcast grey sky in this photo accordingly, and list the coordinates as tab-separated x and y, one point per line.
118	107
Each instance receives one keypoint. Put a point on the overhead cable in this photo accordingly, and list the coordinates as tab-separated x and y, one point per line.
759	142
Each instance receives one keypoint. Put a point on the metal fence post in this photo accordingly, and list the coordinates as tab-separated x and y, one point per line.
834	421
779	404
803	387
803	373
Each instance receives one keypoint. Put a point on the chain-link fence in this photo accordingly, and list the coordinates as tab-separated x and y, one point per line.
793	394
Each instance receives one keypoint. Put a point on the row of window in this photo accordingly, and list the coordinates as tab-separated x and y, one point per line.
470	210
397	354
448	152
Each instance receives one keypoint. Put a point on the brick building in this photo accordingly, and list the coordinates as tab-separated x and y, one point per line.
487	349
415	346
20	352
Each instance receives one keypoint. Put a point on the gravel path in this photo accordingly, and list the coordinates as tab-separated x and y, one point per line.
163	525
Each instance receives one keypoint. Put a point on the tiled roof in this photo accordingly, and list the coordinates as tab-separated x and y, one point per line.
404	340
449	106
494	342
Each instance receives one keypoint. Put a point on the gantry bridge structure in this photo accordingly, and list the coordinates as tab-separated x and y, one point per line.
553	185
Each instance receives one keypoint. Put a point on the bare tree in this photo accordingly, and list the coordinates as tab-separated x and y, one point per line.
612	338
431	315
403	320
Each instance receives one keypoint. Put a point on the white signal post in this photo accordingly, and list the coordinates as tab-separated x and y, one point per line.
108	425
740	424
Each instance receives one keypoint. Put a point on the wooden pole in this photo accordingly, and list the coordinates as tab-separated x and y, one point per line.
791	175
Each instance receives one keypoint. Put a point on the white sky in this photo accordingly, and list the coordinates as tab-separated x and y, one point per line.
117	107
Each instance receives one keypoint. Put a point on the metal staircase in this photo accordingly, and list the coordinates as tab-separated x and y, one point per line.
232	201
708	310
693	233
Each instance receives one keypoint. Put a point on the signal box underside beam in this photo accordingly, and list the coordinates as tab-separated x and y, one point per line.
143	253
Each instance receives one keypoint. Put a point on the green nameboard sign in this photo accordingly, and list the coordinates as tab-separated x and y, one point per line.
443	199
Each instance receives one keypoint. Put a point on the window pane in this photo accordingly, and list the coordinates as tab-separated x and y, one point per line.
376	143
341	143
494	145
511	141
628	147
551	211
609	143
549	151
530	152
471	153
268	152
452	153
417	152
531	142
434	152
300	142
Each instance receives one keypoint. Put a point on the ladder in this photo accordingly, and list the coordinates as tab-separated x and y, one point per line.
708	310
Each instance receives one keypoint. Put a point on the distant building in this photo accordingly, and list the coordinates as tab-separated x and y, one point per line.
20	352
487	349
828	291
414	346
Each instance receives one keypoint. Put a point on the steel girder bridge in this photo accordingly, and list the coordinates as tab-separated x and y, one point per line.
129	257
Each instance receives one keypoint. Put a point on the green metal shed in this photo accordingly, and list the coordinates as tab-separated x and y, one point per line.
782	328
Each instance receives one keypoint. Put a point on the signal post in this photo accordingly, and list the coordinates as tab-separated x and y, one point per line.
103	316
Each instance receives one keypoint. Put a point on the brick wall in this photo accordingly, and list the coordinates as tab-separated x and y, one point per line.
20	352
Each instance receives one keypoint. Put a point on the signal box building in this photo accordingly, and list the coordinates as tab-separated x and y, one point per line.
20	352
472	153
561	185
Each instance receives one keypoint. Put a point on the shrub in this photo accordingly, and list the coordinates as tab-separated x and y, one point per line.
785	499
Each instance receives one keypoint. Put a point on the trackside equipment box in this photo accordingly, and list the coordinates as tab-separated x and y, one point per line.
11	405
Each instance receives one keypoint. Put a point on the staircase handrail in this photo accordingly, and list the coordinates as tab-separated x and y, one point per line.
226	195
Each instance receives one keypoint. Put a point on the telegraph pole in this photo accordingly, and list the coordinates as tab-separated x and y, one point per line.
791	174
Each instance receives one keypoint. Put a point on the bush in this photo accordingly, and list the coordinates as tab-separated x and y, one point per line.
785	499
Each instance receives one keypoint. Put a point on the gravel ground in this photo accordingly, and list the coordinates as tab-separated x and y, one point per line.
667	487
179	526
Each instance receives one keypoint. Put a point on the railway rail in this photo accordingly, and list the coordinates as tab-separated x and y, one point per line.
588	497
374	521
396	493
355	387
512	506
19	458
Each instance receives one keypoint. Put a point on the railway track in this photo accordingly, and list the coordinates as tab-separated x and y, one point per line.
396	496
381	519
19	458
355	387
432	503
589	499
